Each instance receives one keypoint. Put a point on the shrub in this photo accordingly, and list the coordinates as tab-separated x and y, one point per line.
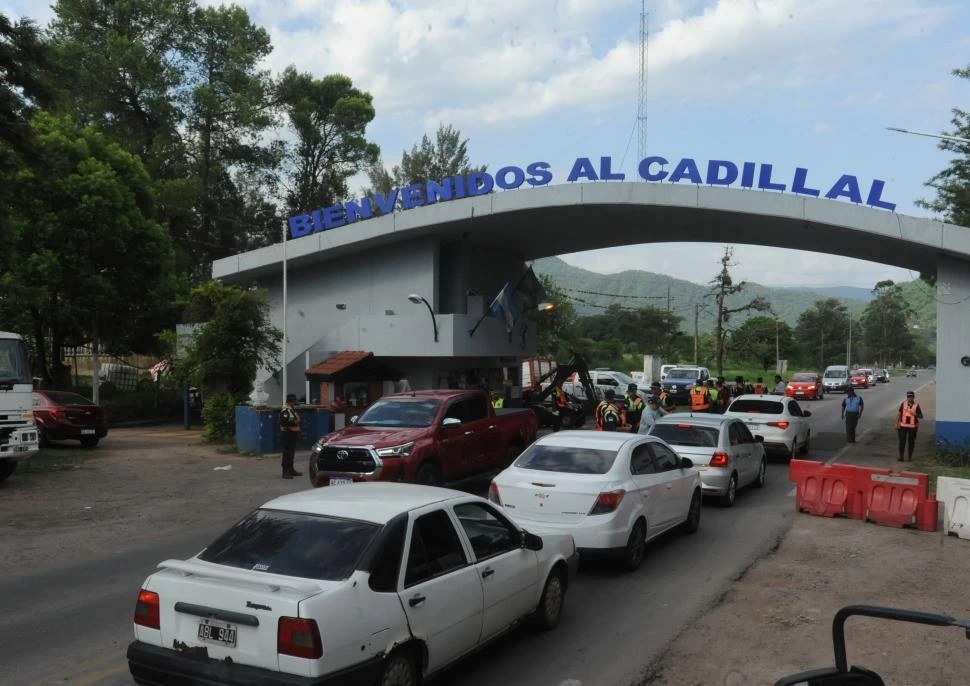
219	417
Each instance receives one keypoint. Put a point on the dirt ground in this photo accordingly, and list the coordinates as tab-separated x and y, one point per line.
777	619
137	485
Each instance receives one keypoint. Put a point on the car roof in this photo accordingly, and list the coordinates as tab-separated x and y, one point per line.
596	440
377	502
712	420
767	396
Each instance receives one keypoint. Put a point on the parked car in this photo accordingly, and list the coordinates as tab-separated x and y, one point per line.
425	437
607	379
870	376
836	378
370	583
780	422
722	449
63	416
680	380
805	385
614	492
858	379
911	373
887	375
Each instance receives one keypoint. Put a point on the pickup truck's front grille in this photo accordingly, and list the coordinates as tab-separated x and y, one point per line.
337	459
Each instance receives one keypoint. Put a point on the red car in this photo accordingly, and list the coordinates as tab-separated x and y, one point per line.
62	416
858	379
805	386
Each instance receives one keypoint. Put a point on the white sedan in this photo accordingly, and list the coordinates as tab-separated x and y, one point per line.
612	491
780	421
369	583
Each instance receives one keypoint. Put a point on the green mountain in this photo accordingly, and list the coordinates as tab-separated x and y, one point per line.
590	292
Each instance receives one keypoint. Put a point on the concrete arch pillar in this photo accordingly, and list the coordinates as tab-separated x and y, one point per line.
952	345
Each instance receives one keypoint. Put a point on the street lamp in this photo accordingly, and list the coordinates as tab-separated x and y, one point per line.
417	300
546	307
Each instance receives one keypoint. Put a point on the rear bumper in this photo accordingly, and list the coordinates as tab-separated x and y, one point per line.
59	432
154	666
714	481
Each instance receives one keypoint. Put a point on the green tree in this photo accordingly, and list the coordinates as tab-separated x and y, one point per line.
722	288
755	341
89	261
234	339
646	330
329	117
885	324
555	330
27	78
823	332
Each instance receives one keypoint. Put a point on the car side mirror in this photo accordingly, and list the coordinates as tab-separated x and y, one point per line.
450	422
806	413
353	420
759	439
686	463
531	541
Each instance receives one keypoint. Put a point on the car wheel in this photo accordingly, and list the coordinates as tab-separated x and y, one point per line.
636	547
399	670
693	522
7	467
428	475
807	445
89	442
762	474
549	609
793	450
727	500
42	438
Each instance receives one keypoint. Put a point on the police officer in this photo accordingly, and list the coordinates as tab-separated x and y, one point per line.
723	395
715	394
498	400
852	407
608	416
759	387
666	403
289	432
740	387
700	397
634	406
907	423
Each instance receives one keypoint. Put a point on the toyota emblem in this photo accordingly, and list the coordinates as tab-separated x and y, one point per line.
342	454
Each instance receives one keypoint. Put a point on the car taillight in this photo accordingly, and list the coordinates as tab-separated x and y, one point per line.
57	412
780	425
147	610
719	459
493	494
607	502
299	638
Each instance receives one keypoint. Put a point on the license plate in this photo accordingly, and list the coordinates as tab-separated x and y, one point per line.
87	432
340	481
223	634
799	392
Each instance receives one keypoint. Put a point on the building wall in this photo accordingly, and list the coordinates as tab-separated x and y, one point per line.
952	344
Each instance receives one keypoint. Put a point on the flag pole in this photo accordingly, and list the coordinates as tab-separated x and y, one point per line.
471	331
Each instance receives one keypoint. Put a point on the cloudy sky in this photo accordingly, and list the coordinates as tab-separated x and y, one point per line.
808	83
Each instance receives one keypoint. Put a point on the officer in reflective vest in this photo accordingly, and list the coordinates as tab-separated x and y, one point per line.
666	404
608	416
714	392
740	387
289	432
634	406
700	398
498	400
907	423
759	387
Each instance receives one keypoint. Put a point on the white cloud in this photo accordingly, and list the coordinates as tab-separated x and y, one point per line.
864	98
823	127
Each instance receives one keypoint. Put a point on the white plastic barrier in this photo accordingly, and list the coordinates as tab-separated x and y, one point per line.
955	496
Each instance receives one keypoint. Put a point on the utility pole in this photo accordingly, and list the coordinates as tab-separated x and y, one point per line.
848	351
697	312
668	299
777	348
642	93
821	355
283	351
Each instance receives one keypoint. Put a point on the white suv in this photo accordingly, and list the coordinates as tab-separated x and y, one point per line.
779	420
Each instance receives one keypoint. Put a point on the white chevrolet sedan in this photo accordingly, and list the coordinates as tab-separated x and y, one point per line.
780	421
612	491
372	583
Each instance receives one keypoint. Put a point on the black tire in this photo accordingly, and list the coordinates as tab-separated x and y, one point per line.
400	669
7	467
42	438
636	547
693	522
762	474
512	452
89	442
728	499
428	475
808	444
794	450
549	610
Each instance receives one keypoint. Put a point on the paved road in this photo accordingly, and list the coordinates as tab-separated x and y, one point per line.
71	625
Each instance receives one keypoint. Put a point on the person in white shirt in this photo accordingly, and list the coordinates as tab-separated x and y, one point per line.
779	385
651	414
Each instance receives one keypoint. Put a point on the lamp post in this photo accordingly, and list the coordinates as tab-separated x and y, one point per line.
955	139
283	351
417	300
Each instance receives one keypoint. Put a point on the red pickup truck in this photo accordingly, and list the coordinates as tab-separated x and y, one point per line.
425	437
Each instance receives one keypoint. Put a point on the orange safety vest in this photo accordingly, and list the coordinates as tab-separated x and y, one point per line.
559	396
700	399
907	416
759	388
605	408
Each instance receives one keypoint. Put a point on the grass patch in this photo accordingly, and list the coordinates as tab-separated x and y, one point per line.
935	469
56	460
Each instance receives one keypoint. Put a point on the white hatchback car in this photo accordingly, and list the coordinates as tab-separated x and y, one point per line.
612	491
372	583
722	449
780	421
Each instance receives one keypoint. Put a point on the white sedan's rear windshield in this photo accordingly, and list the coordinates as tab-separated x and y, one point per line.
560	458
293	544
686	435
757	406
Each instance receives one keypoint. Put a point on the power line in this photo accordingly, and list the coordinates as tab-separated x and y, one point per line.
616	295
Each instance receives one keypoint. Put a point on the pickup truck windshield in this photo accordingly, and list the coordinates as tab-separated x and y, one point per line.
400	412
623	379
14	367
683	374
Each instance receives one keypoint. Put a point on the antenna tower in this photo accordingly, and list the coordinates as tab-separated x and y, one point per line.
642	94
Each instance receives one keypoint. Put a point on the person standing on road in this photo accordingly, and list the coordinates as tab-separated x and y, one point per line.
779	385
852	407
740	387
723	395
700	397
666	404
712	391
609	416
290	431
760	387
650	415
634	406
907	423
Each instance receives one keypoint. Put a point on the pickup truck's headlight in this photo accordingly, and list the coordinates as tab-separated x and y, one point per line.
396	451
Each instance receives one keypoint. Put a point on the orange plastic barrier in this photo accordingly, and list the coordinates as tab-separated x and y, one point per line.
895	498
928	514
821	490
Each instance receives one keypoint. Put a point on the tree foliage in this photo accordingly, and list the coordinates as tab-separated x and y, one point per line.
823	333
722	287
26	80
885	324
755	341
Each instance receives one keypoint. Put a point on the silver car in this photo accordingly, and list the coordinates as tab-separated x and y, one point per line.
722	449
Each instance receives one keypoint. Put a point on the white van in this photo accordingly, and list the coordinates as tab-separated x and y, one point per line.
836	378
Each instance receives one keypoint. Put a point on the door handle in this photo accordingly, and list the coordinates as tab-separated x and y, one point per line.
416	600
487	572
492	426
469	433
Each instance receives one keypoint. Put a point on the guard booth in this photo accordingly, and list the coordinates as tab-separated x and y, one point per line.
351	381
